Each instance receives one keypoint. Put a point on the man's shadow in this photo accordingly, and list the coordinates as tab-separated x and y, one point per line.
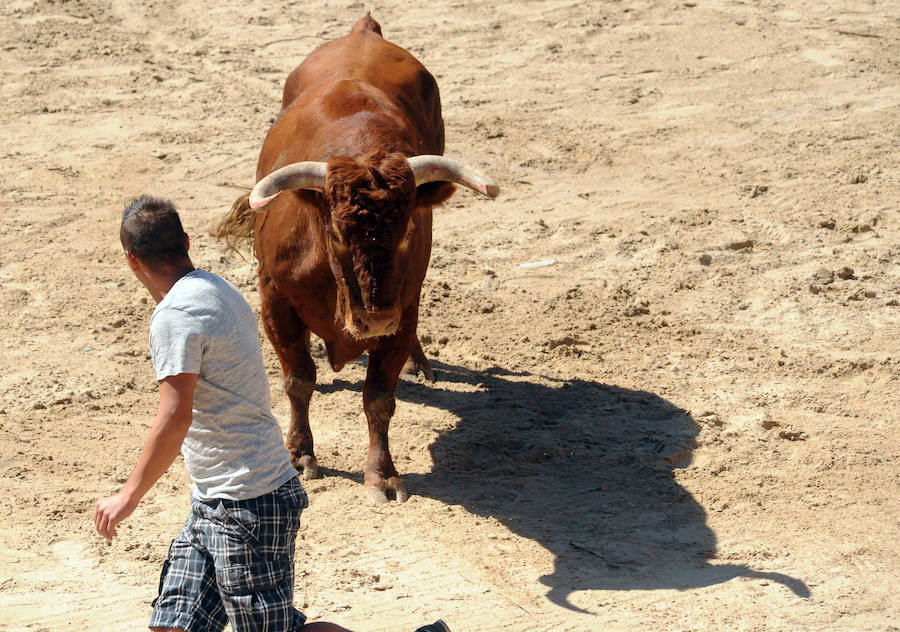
583	468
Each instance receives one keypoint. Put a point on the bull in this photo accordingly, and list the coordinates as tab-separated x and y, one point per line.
341	222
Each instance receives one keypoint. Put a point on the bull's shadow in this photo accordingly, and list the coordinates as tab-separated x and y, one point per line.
584	469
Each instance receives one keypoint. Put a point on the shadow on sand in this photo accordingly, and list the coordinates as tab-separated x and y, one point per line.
582	468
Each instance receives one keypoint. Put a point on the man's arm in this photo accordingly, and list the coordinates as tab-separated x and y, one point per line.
176	397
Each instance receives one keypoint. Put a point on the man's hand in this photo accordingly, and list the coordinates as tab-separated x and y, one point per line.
111	511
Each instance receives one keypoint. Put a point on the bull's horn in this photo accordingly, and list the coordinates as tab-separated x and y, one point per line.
299	175
443	169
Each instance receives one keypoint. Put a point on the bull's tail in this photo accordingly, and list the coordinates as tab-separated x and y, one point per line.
237	225
366	23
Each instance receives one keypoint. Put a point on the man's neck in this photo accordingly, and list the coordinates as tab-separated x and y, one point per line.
160	282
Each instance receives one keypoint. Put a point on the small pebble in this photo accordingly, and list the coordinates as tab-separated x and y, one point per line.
739	242
845	273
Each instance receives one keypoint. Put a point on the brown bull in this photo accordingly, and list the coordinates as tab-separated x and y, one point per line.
343	250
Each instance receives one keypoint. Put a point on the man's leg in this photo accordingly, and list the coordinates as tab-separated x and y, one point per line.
252	542
188	596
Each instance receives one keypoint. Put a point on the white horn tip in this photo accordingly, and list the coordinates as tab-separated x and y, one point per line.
258	202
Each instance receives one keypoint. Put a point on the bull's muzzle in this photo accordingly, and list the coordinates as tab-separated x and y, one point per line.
366	324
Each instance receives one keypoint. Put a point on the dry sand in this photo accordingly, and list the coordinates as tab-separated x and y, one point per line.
687	421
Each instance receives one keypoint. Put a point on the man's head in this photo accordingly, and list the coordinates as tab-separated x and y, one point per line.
151	231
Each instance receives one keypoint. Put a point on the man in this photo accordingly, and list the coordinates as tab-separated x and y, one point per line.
233	561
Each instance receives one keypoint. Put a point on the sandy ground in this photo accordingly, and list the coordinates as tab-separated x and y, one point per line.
684	417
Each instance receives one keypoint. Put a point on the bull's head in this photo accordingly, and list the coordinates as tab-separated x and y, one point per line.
369	226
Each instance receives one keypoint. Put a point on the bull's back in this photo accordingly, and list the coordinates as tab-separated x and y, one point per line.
364	56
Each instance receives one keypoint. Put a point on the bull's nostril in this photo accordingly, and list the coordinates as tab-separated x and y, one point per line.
374	324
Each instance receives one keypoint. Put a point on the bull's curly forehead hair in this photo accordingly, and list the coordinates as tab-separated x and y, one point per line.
151	230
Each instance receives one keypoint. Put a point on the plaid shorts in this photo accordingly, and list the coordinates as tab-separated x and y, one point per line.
233	561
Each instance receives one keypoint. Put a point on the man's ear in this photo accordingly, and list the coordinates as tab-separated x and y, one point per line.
133	261
187	242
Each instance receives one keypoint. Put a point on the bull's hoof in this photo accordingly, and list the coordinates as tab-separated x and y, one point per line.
417	363
412	369
390	489
307	465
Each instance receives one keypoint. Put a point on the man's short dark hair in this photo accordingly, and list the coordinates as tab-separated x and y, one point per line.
151	230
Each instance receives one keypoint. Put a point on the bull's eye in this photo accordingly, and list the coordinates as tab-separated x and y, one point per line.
338	247
337	239
409	232
335	231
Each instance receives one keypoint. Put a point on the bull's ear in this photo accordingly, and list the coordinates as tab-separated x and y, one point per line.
434	193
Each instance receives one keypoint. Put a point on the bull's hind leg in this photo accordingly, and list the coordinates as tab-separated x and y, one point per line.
290	338
385	363
418	363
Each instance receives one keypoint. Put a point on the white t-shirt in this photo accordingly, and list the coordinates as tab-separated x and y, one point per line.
234	448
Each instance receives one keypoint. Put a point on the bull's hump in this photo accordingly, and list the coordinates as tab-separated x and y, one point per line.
363	55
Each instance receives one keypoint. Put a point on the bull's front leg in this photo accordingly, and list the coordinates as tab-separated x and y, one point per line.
385	363
290	339
299	442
